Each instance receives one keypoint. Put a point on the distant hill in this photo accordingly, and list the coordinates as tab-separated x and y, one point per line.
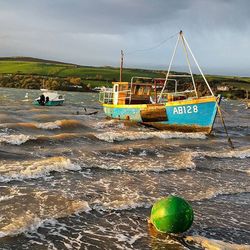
28	72
42	67
33	59
36	70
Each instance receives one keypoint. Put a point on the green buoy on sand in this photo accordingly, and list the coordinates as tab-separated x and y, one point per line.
172	215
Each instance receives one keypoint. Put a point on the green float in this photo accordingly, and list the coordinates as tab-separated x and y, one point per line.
172	215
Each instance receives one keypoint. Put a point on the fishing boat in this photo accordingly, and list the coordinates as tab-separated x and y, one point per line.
146	100
49	98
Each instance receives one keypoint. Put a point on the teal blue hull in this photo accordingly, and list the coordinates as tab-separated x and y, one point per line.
49	103
188	117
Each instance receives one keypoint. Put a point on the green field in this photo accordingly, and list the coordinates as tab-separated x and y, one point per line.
64	70
96	76
9	67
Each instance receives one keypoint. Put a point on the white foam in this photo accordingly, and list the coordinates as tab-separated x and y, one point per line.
237	153
35	169
143	135
108	124
213	192
49	125
178	161
15	139
247	171
6	197
212	244
119	205
129	239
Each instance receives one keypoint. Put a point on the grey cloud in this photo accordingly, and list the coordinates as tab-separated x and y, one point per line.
107	16
93	31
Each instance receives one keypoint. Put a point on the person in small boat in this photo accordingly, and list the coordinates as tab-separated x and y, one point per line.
42	100
47	99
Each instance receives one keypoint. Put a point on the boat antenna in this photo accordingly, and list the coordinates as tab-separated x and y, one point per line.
121	65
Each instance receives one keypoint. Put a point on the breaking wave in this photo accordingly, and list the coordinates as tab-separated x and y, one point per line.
46	125
59	124
31	221
211	244
61	136
15	139
35	169
21	138
237	153
142	135
25	223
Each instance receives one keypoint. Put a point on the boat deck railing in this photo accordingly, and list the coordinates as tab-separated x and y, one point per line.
178	92
106	96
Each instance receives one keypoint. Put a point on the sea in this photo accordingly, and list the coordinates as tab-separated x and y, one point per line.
72	179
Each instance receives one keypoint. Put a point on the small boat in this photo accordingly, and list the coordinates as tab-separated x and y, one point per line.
49	98
98	89
148	101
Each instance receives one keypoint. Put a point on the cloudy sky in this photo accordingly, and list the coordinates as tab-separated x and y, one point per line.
92	32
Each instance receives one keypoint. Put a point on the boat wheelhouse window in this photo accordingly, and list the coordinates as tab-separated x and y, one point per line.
141	90
138	90
147	90
123	87
116	88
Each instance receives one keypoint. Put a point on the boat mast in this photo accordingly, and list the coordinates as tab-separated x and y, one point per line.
121	65
188	62
198	66
169	67
186	50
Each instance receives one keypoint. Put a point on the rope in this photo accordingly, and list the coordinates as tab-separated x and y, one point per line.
224	125
154	47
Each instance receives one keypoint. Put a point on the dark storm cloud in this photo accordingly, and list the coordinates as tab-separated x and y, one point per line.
93	32
107	16
116	16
